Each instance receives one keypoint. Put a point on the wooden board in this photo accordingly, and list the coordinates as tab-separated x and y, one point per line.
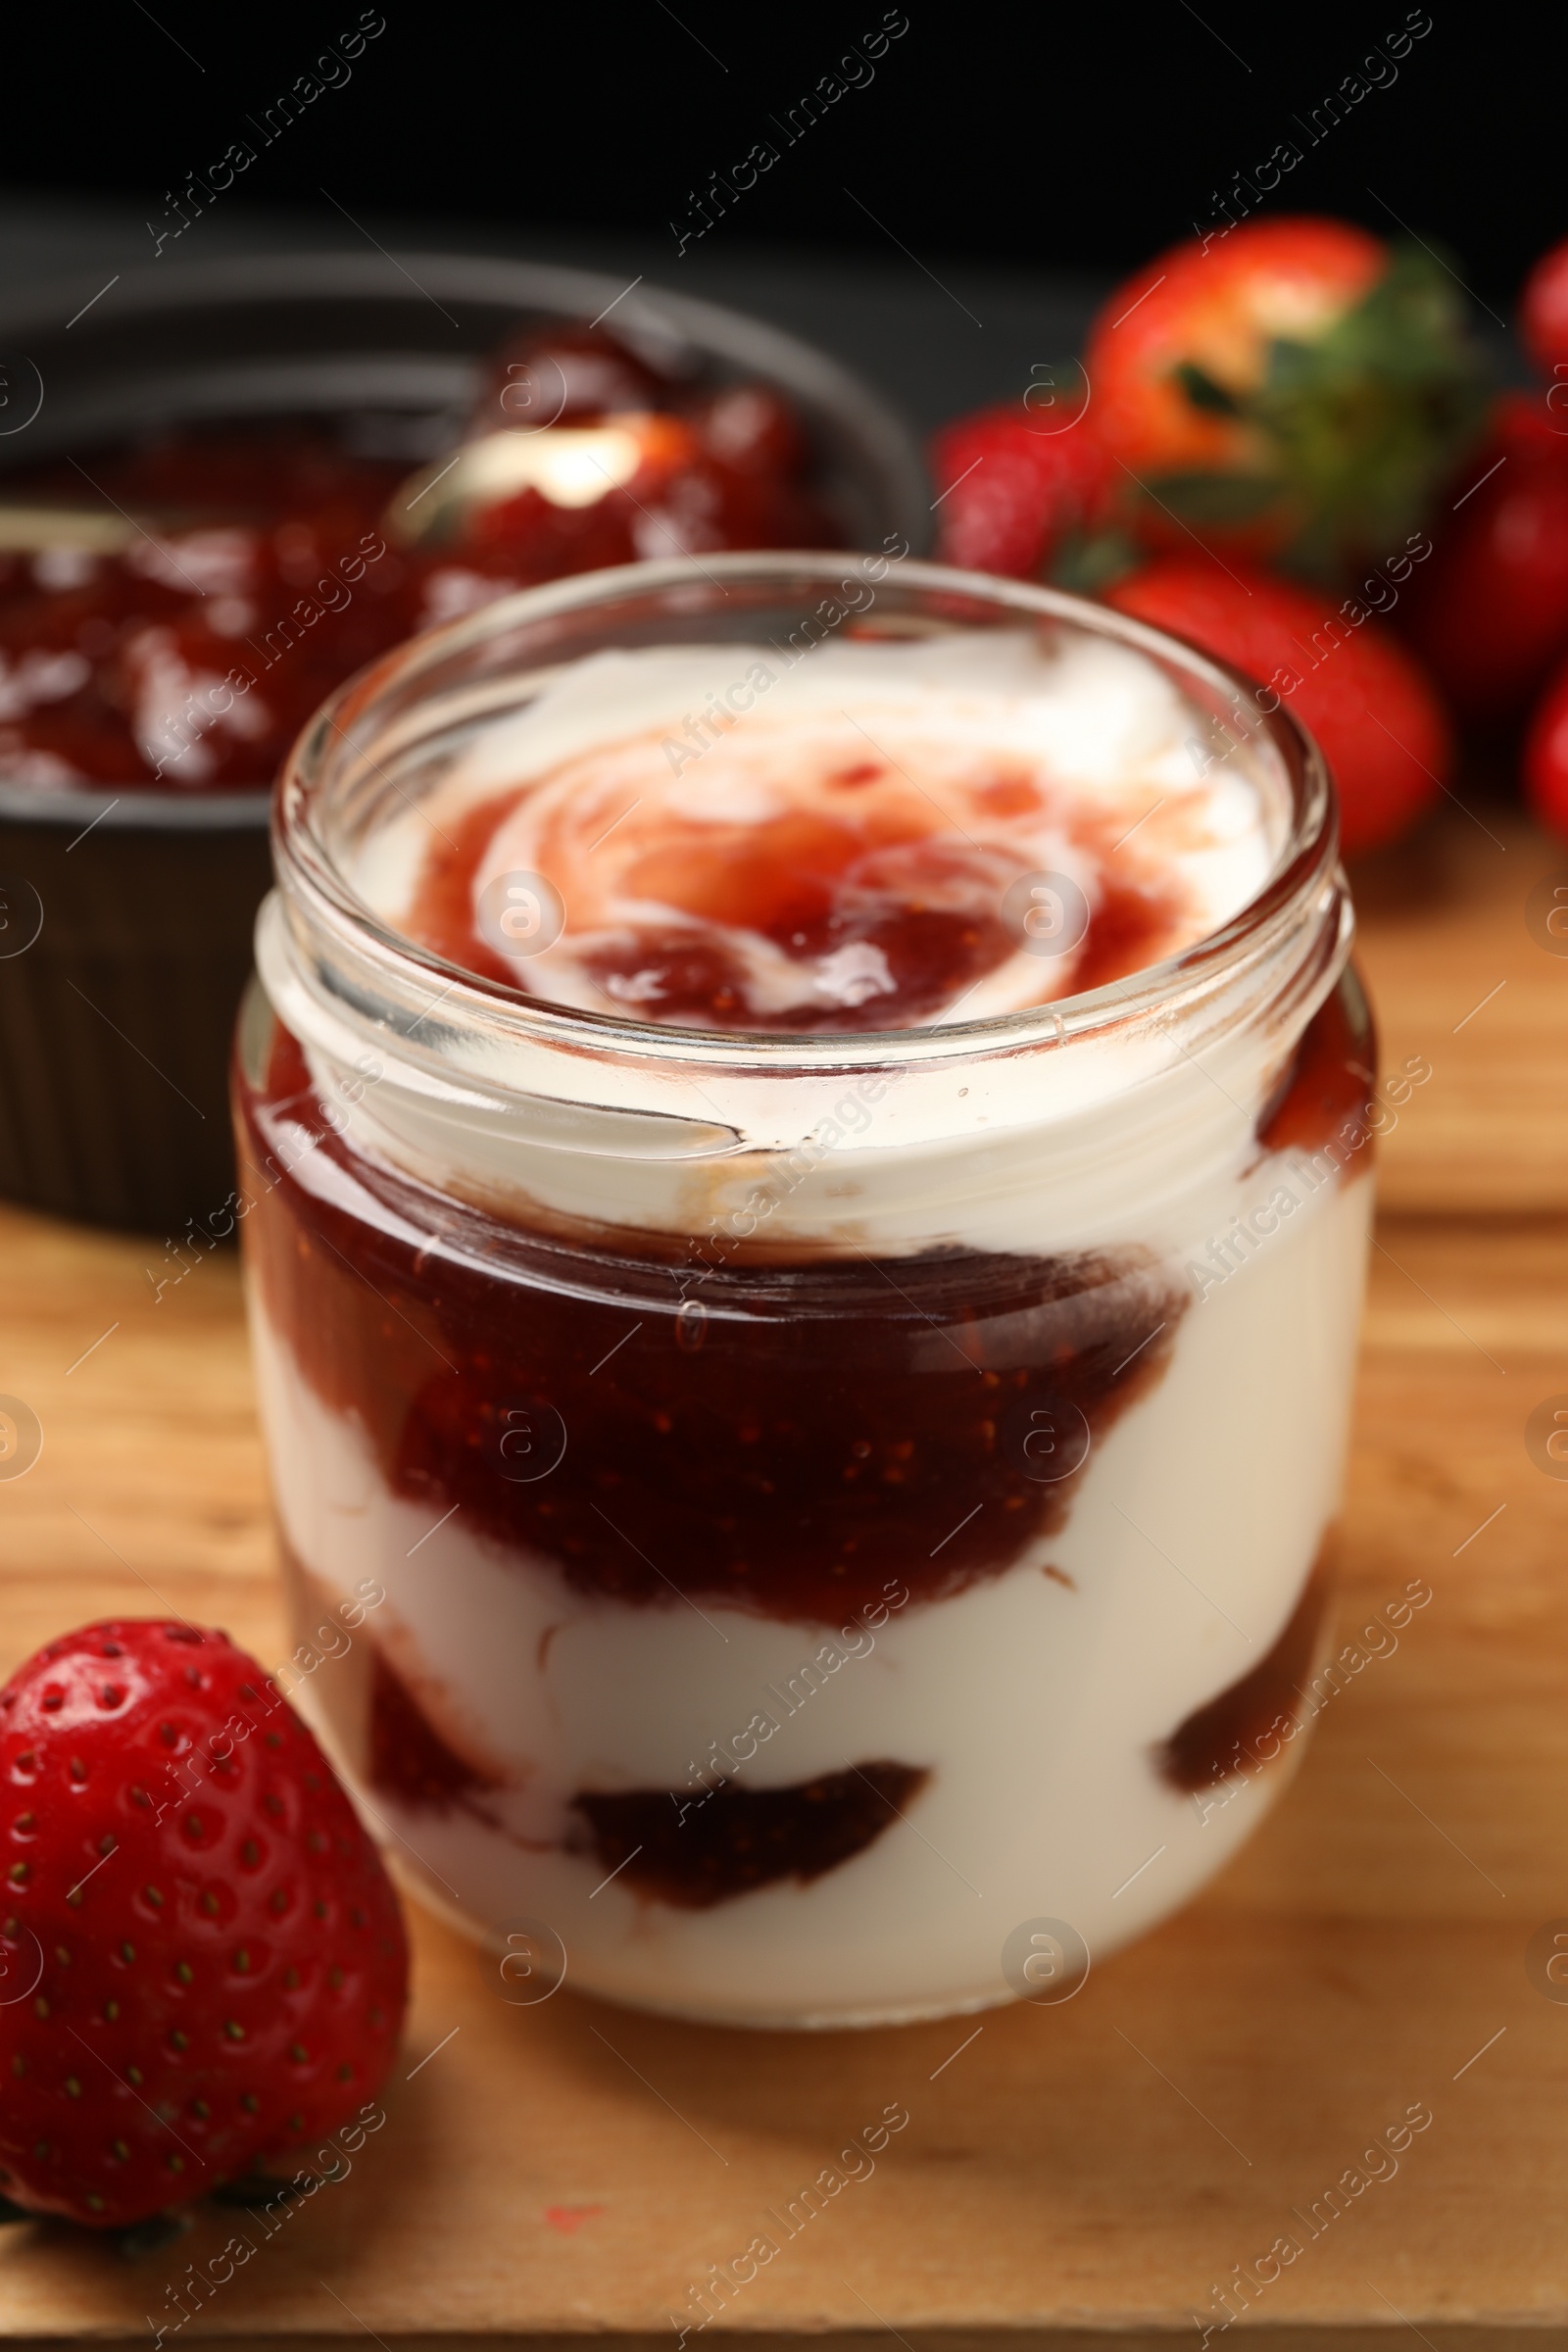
573	2169
1465	974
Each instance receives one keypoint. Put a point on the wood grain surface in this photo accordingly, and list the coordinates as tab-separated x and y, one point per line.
572	2169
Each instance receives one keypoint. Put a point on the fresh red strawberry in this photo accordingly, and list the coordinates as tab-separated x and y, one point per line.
1546	756
1010	489
1350	683
1543	313
1489	611
1286	388
219	1959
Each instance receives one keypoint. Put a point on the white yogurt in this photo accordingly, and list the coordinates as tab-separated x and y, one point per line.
1038	1706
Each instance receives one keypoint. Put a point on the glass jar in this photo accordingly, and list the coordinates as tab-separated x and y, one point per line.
800	1531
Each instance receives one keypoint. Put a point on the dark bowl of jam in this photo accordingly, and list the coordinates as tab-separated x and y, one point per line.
231	448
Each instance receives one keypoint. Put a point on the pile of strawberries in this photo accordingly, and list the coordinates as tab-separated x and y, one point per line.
1283	448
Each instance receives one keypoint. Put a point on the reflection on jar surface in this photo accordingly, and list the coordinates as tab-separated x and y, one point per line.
835	1495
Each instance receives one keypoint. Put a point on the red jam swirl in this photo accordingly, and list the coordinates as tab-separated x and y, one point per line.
929	906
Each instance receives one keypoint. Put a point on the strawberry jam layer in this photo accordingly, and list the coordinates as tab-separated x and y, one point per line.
1225	1736
698	1852
1327	1090
408	1757
781	1436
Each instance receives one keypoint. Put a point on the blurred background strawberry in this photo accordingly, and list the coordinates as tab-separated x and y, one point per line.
1374	714
1290	453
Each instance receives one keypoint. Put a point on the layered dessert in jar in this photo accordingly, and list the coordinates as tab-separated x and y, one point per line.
805	1157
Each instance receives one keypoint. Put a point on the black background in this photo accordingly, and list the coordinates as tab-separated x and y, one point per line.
1055	139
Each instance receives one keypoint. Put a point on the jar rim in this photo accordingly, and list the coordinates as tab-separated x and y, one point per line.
316	890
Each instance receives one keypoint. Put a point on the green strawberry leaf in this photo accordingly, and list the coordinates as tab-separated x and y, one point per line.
1358	429
1085	562
1204	393
1200	497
